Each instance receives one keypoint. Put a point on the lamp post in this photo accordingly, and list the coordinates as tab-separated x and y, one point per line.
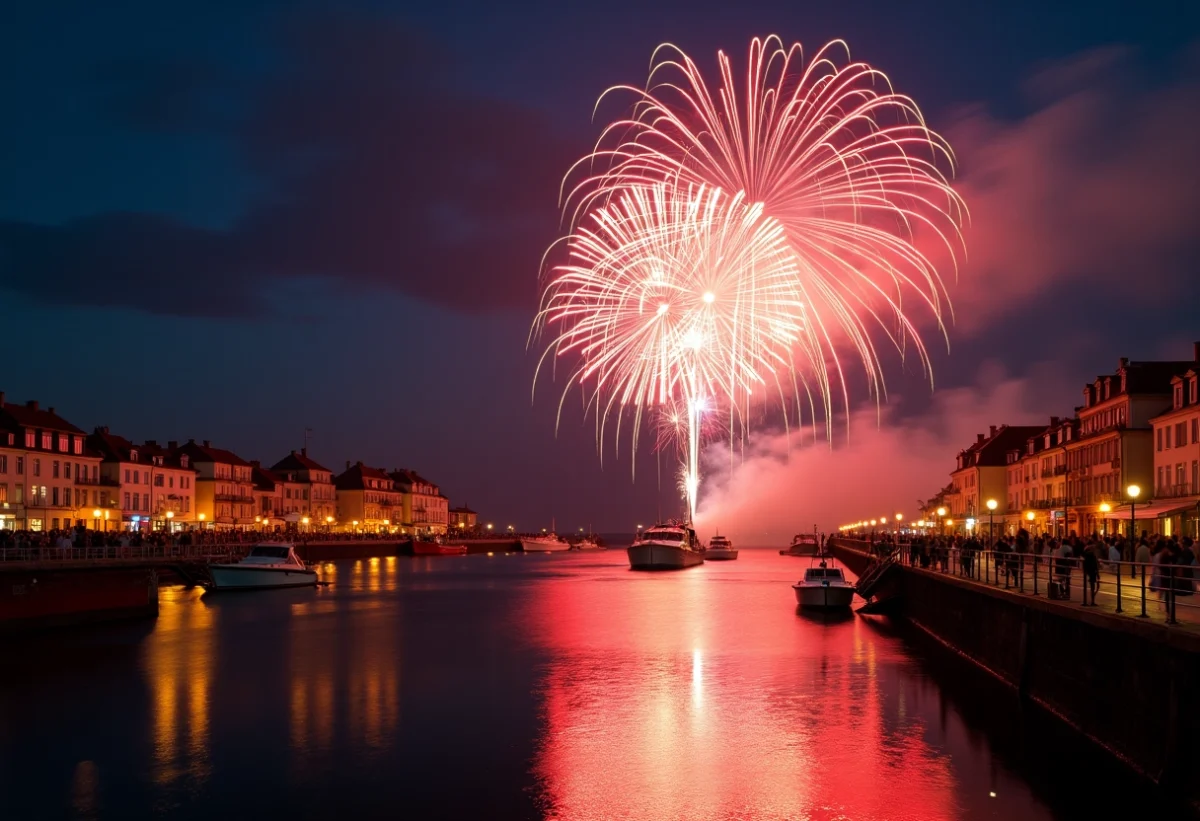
1133	491
170	516
991	506
899	519
1105	507
96	516
941	512
328	524
1029	518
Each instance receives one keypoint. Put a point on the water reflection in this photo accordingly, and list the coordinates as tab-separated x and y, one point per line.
678	698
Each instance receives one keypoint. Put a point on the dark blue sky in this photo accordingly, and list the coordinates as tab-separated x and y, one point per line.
236	220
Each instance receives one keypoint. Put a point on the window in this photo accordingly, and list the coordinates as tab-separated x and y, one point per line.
1195	476
54	496
1178	396
47	440
158	480
1160	476
37	467
1159	437
3	464
20	465
1168	438
20	489
78	446
30	439
128	508
54	469
63	441
133	455
1195	432
1180	476
66	497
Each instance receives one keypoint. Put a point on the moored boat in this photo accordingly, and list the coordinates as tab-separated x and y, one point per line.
824	587
803	544
720	549
667	546
436	548
270	564
587	543
549	543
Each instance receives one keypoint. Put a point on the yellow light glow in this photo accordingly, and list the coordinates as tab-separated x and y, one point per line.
355	522
991	504
873	522
258	518
202	517
1105	507
328	520
170	514
899	517
304	520
96	513
941	511
950	522
1134	491
1029	516
387	522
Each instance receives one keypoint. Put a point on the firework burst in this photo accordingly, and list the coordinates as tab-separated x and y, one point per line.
733	239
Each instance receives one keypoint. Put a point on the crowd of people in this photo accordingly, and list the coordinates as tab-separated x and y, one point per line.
1171	564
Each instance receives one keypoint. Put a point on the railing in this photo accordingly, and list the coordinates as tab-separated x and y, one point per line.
146	552
1165	592
233	497
1059	470
97	482
1174	491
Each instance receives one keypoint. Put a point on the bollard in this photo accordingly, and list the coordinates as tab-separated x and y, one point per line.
1118	587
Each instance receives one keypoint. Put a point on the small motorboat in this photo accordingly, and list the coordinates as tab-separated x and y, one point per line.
668	546
587	543
720	549
437	548
803	544
547	543
824	587
269	564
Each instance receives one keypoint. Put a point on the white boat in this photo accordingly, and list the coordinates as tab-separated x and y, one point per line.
720	549
669	546
803	544
270	564
824	586
587	543
551	543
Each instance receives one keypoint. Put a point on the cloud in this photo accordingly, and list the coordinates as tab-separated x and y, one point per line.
374	172
782	486
1096	187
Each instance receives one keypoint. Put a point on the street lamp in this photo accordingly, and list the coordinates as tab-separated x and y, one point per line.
1133	491
1029	518
304	520
1105	507
489	527
991	506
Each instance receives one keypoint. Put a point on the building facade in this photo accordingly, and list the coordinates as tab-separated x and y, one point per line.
151	487
1176	437
309	491
1036	480
981	475
47	474
425	509
224	485
462	519
367	499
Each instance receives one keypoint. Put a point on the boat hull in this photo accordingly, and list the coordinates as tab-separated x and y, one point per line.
534	546
662	557
824	597
717	554
805	550
235	577
433	549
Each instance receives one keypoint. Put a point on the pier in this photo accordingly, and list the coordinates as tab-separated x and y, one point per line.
1123	679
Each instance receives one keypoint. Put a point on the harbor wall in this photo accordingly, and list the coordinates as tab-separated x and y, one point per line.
31	600
1131	685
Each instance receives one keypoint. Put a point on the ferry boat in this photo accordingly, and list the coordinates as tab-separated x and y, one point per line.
269	564
549	543
803	544
824	587
720	549
667	546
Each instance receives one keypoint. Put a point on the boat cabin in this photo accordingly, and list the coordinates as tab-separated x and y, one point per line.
677	534
273	553
824	574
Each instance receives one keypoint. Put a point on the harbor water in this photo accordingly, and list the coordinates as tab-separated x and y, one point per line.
514	686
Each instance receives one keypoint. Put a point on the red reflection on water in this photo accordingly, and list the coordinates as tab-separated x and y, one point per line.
703	694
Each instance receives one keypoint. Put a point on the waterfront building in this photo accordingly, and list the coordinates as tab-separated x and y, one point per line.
366	496
268	495
224	495
1115	447
142	487
1176	437
981	474
308	490
425	509
462	519
46	470
1036	479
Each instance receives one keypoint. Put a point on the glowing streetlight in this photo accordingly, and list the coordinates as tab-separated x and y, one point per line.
991	504
489	527
1105	507
1133	492
304	520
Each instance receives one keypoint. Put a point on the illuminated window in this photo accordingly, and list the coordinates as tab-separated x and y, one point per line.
30	439
47	441
63	441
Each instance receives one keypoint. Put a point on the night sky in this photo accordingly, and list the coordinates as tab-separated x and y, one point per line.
238	220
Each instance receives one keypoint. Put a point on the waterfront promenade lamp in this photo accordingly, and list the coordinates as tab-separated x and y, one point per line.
991	506
304	521
96	516
1133	492
489	527
1105	507
1029	518
510	528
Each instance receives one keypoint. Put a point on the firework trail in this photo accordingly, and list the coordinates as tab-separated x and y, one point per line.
840	176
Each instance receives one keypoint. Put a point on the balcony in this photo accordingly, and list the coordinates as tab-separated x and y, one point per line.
101	481
233	497
1047	473
1059	470
1174	491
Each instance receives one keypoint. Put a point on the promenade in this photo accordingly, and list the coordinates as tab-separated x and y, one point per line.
1132	593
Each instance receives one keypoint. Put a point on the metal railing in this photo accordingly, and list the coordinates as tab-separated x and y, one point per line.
1139	589
145	552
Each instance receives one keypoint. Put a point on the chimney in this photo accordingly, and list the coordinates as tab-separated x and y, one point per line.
172	445
51	409
991	431
32	404
979	437
303	451
191	441
1124	363
1054	420
151	443
347	464
1195	358
207	443
1	399
254	463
